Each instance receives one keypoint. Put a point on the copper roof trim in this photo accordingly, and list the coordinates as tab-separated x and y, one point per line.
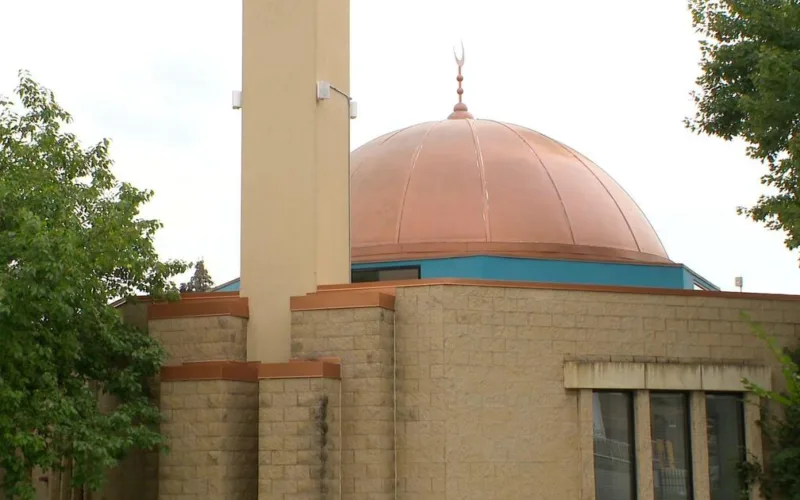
384	285
345	299
186	296
306	369
209	295
197	306
550	251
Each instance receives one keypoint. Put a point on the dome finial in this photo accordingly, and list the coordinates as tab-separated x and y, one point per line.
460	110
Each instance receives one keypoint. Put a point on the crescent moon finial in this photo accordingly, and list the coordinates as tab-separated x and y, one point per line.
460	110
459	60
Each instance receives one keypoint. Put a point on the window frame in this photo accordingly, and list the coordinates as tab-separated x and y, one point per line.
741	414
632	435
690	438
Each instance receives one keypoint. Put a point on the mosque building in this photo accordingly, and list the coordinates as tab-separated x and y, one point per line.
461	309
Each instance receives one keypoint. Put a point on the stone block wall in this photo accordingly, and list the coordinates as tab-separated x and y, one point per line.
363	338
482	409
300	430
214	338
198	328
212	428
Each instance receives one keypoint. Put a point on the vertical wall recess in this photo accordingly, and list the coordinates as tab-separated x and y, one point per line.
322	429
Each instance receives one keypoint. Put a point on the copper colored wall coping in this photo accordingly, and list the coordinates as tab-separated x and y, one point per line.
184	296
306	369
385	286
208	295
549	251
198	306
238	371
346	299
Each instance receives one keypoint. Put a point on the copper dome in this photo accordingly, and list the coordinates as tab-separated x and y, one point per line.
466	186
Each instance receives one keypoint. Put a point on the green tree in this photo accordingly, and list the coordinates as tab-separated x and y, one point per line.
779	477
749	88
71	241
200	281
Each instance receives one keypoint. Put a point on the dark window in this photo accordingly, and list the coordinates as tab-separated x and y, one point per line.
726	445
614	449
672	454
384	274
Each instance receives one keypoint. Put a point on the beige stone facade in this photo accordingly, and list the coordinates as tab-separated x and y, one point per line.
481	395
300	435
482	409
220	338
441	391
363	339
212	429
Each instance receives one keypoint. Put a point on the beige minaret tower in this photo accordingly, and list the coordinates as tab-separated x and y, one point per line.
295	161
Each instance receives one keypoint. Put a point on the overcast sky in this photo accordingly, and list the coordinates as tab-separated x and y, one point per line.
611	79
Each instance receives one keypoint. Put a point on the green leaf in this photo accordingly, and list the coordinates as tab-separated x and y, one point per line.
749	88
778	478
71	241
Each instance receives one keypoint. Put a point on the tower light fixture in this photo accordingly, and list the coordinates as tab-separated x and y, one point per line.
324	89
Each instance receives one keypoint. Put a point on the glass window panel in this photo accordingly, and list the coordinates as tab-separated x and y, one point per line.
387	274
364	276
726	445
614	452
399	273
672	461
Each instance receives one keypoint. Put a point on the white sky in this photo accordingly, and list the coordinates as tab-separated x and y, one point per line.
611	79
